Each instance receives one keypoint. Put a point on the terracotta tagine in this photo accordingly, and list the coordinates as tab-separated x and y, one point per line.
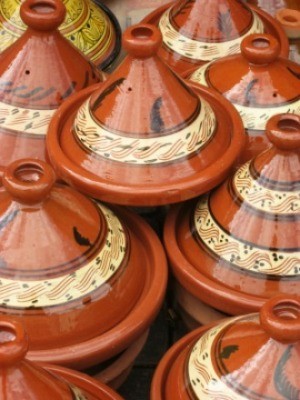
85	280
290	21
144	137
37	73
89	25
249	357
20	377
272	6
238	246
258	83
197	31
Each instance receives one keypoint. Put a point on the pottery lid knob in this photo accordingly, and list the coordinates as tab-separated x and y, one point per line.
280	318
142	40
28	181
290	21
13	342
43	15
260	49
283	130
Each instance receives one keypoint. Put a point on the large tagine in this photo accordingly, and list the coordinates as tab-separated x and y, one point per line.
144	137
88	25
22	379
37	73
258	83
250	357
86	281
236	247
198	31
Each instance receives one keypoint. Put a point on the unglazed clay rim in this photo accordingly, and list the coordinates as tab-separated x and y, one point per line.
161	373
211	292
84	382
184	189
122	335
155	15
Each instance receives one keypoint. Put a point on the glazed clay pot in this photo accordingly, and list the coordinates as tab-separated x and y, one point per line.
290	21
88	25
249	357
258	83
144	137
20	377
238	246
86	281
37	73
196	32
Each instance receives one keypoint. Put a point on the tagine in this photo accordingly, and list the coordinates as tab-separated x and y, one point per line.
239	245
290	21
258	83
250	357
196	32
85	280
88	25
144	137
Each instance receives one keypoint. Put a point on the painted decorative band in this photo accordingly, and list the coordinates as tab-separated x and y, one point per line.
152	150
77	393
74	285
204	51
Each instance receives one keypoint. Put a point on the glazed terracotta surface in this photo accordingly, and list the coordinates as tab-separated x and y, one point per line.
258	83
197	32
66	259
239	245
37	73
144	137
20	377
290	21
249	357
88	25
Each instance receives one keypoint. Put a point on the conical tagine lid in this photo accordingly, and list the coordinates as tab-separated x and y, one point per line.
197	32
20	377
69	267
258	83
144	137
250	357
37	73
240	244
88	25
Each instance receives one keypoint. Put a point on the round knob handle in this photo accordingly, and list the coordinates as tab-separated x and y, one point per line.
260	49
283	131
29	181
43	15
280	318
142	40
13	342
290	21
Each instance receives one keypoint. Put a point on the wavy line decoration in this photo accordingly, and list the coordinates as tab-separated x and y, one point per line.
75	285
205	51
152	150
238	253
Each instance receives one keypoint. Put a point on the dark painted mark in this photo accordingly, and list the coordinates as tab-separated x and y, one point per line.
296	74
34	94
225	23
249	97
86	79
281	380
69	91
82	241
44	95
106	92
228	350
157	123
185	7
8	218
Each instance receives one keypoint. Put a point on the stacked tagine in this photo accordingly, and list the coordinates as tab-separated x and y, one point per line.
196	32
85	280
239	245
88	25
245	358
144	137
32	86
258	83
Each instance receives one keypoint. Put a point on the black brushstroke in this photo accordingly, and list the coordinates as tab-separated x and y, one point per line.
157	123
106	92
228	350
249	97
81	240
296	74
69	91
281	380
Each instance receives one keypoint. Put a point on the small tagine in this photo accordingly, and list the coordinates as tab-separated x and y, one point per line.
144	137
290	21
250	357
236	247
22	379
88	25
196	32
86	281
272	6
37	73
258	83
